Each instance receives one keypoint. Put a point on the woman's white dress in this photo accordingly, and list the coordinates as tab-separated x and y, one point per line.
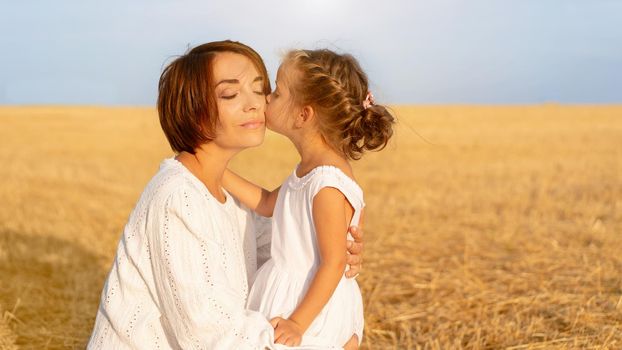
281	283
181	273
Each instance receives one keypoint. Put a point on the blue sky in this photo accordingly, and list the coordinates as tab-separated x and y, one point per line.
419	51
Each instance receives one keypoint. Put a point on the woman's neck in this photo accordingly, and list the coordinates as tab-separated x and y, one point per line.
208	164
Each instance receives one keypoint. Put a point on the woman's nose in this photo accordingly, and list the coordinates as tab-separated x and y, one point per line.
252	103
268	98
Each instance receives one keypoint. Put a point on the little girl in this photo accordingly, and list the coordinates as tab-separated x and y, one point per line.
322	104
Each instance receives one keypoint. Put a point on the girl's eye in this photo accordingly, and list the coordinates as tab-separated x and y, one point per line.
259	92
229	97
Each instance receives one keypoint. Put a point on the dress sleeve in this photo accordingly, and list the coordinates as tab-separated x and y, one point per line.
352	192
198	305
263	230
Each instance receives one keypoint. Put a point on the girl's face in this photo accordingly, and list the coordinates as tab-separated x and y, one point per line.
240	100
281	106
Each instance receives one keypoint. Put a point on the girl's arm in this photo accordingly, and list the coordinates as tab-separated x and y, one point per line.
329	217
254	197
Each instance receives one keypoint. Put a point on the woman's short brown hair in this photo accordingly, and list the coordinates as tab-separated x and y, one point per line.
186	98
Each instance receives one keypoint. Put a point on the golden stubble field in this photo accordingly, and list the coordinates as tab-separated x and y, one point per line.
487	227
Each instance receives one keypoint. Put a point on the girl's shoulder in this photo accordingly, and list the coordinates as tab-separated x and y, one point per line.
328	176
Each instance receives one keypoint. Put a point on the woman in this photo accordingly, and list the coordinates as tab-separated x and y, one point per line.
183	265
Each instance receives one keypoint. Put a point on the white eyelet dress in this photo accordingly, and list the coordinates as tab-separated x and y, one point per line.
181	273
281	283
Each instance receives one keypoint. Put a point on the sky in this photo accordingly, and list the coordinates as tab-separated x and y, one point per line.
112	52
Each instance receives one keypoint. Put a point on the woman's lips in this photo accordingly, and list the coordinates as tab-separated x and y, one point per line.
252	124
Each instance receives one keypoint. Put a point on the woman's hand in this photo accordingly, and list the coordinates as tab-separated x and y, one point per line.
352	344
355	249
286	332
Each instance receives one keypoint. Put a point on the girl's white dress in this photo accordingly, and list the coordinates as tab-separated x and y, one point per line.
282	282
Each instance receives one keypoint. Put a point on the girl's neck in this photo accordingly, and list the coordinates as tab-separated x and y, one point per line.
208	164
315	152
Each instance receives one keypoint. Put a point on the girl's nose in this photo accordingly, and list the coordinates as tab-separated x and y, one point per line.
268	98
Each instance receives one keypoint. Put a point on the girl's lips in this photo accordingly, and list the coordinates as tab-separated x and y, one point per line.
253	124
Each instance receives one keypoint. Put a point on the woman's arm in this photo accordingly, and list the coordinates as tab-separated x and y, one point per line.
329	217
254	197
199	307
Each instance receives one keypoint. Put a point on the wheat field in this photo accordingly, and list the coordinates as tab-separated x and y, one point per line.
486	227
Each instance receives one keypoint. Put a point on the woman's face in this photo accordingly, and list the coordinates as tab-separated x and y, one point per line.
240	100
281	106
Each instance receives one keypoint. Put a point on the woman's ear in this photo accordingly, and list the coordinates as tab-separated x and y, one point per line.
304	117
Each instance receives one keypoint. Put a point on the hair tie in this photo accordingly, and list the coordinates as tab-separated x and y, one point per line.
369	100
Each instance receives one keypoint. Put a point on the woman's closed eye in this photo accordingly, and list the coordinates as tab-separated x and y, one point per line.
229	94
229	97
